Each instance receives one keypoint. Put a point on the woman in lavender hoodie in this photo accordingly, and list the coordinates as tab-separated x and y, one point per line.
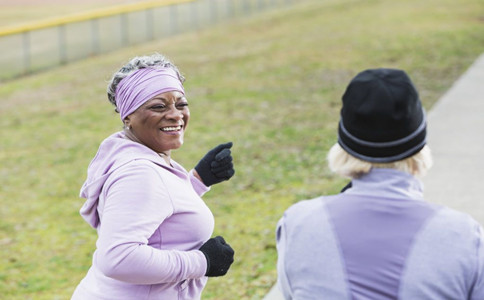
154	230
379	239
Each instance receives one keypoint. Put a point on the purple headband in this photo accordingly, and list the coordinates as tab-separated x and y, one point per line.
142	85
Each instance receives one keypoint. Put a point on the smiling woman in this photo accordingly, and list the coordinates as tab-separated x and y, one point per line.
153	227
160	123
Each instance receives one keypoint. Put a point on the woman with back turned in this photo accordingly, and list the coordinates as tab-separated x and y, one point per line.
153	228
379	239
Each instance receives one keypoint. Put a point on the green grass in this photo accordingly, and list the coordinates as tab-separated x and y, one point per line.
271	84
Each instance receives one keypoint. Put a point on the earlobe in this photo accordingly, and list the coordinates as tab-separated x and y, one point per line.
126	123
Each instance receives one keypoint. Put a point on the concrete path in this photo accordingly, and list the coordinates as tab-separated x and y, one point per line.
456	138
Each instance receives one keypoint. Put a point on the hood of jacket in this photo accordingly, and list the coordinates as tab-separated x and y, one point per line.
114	152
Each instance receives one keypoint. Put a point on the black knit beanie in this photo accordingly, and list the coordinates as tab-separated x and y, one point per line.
382	119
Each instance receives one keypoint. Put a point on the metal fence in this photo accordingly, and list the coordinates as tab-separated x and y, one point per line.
33	47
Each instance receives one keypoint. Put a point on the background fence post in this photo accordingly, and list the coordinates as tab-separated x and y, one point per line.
173	19
26	52
194	14
62	44
230	9
95	49
247	6
124	29
149	24
213	12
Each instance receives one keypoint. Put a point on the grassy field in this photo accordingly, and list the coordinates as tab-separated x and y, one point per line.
271	84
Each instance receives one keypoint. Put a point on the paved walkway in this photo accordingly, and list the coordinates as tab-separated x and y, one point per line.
456	138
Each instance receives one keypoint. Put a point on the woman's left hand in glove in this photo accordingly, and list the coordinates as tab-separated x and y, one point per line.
216	166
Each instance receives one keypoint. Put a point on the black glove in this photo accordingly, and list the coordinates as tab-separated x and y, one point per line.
216	166
219	256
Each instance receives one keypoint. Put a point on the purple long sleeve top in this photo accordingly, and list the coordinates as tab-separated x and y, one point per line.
150	221
379	240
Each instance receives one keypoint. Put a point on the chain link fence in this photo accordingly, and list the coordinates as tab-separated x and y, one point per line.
51	43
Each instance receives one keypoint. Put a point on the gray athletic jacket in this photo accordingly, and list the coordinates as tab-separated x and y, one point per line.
379	240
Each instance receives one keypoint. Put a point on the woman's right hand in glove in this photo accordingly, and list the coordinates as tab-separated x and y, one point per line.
219	256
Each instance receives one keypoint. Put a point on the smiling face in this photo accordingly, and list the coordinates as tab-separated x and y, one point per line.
160	123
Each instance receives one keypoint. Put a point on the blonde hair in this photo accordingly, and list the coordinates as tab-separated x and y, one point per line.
344	164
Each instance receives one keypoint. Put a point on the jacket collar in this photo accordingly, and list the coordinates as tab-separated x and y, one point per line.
388	183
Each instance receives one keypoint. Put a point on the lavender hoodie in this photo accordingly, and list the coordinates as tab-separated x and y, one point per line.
150	222
379	240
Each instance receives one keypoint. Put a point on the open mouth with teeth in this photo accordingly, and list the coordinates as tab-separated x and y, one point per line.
172	128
